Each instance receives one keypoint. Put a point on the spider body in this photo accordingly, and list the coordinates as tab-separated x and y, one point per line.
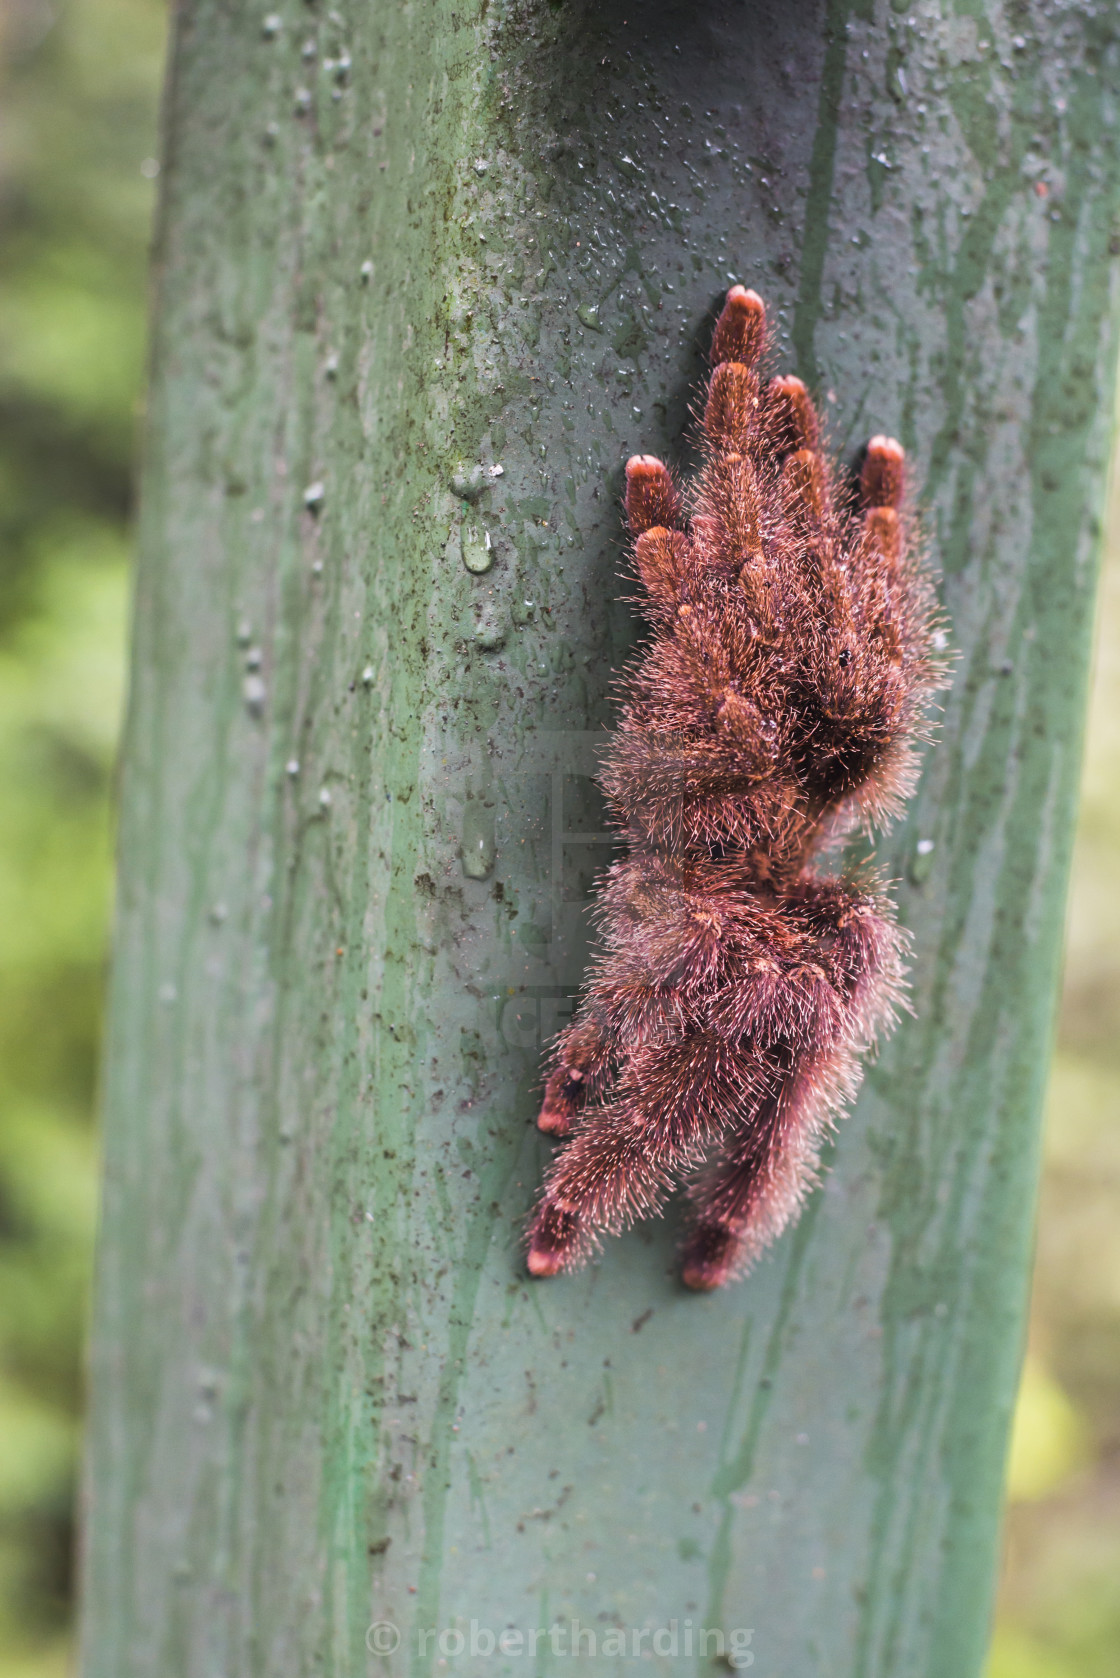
777	705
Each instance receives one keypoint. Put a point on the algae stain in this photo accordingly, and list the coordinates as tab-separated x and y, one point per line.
734	1471
477	846
493	1182
346	1505
478	1498
630	339
822	164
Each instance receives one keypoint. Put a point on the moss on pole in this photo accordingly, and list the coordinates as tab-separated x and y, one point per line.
425	276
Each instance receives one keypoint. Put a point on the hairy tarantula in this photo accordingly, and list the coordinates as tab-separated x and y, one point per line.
777	705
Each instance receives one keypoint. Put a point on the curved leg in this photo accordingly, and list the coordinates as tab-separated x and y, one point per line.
652	501
746	1200
622	1161
583	1054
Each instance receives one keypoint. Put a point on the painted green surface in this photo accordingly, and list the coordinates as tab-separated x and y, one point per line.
400	243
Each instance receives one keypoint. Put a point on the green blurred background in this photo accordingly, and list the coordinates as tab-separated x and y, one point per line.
79	86
79	83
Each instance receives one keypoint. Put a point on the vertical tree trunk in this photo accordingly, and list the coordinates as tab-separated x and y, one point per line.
401	246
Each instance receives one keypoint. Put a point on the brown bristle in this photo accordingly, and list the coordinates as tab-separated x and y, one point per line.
803	475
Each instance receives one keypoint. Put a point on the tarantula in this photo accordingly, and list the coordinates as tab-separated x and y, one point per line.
777	705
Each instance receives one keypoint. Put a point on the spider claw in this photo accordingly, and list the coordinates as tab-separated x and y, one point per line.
554	1121
563	1096
741	328
883	478
708	1261
553	1239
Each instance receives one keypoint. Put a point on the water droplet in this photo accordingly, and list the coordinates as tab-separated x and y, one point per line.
481	166
589	314
292	767
468	482
314	496
489	634
921	864
366	271
478	550
244	633
218	913
302	100
367	676
254	693
325	799
330	366
271	26
476	846
253	658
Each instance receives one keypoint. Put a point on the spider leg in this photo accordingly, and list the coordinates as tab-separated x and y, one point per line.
882	481
663	559
740	331
662	553
672	1102
732	409
745	1200
882	487
582	1057
791	419
862	647
652	500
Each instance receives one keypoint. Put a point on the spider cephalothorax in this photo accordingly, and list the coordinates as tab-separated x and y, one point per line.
777	705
